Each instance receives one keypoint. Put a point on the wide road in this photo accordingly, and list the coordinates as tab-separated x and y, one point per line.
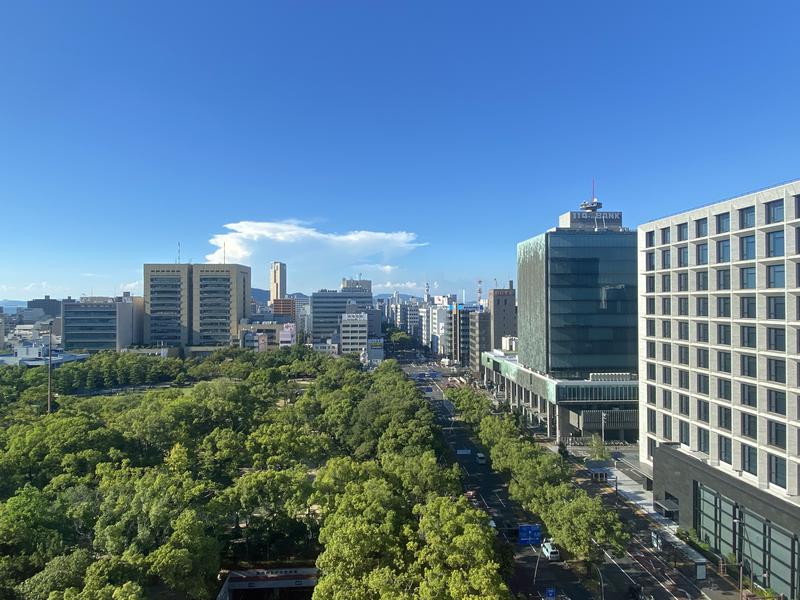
491	495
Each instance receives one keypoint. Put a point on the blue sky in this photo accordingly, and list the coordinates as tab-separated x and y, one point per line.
408	141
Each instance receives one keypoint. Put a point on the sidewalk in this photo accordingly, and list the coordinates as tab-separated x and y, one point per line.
714	587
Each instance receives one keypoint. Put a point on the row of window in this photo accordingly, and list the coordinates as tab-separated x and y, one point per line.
748	367
775	276
775	247
776	336
773	213
776	342
776	465
776	306
776	431
776	399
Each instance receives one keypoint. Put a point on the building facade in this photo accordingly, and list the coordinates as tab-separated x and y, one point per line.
167	304
284	307
480	336
102	323
353	333
575	369
277	281
502	306
719	316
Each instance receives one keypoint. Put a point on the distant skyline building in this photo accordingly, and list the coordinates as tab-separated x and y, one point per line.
502	307
102	323
50	306
353	333
195	306
277	281
284	307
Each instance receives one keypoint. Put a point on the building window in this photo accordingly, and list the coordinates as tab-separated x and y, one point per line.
724	361
749	395
749	366
683	282
651	420
702	411
747	217
651	447
666	328
747	247
724	389
776	434
651	371
666	399
683	306
724	306
666	306
650	306
666	375
723	222
776	307
701	278
701	227
748	307
683	355
666	351
776	276
774	211
651	394
777	470
724	417
702	332
702	254
702	440
683	404
724	446
683	432
776	370
747	278
776	339
723	251
775	243
702	358
650	284
748	336
776	402
702	306
666	283
650	261
683	330
651	349
724	335
683	379
665	235
723	279
666	259
683	232
651	327
749	459
666	425
702	384
683	256
750	426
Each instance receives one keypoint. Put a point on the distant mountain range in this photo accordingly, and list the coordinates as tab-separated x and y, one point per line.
262	296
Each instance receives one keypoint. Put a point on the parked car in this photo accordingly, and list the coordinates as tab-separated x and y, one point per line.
480	458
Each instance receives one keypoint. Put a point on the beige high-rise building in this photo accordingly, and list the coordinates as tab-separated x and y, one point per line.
167	304
195	305
220	300
277	281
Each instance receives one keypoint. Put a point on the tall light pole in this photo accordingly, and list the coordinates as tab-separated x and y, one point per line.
50	369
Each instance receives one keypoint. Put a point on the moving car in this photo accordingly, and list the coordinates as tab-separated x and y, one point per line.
550	552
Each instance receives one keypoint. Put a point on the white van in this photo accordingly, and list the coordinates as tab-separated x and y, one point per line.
480	458
550	552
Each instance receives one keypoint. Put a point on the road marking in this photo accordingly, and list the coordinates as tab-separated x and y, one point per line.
503	504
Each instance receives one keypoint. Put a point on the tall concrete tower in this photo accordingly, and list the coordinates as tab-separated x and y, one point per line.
277	280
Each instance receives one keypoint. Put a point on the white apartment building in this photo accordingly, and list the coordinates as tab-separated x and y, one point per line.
353	333
719	327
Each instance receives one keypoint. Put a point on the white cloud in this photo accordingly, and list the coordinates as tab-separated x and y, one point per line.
370	268
397	285
89	275
130	287
239	243
36	285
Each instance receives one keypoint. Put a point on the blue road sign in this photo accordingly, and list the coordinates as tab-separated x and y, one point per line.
550	593
536	534
525	534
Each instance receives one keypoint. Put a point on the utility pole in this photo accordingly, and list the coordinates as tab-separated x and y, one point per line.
603	429
50	370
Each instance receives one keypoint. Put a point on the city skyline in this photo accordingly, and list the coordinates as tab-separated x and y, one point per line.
409	159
